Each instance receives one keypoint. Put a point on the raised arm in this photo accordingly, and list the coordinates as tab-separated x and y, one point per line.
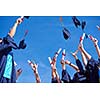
35	70
18	73
55	75
13	29
75	54
63	60
54	70
72	65
95	41
78	62
84	59
63	65
86	54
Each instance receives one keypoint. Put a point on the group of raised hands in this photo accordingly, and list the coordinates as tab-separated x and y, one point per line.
89	73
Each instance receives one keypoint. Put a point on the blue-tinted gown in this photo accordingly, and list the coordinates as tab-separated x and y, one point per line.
7	69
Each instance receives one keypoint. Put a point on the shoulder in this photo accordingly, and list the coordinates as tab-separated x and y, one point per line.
8	38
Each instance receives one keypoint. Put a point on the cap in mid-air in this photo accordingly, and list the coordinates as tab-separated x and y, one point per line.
66	33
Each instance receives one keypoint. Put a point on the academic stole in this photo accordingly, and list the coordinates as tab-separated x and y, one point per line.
8	67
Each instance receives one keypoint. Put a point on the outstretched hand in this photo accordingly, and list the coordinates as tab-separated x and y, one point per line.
67	62
62	62
34	67
74	53
94	40
19	21
80	46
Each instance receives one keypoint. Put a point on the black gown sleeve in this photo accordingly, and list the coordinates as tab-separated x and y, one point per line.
79	65
10	41
4	47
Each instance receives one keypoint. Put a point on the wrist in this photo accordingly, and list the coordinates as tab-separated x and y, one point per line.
18	21
95	42
69	63
63	66
16	24
95	45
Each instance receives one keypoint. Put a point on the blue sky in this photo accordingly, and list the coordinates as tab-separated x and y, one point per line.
45	37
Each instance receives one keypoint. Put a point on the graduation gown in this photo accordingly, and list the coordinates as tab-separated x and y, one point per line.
7	69
92	71
79	77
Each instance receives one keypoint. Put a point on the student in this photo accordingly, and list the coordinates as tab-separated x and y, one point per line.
55	75
95	42
35	70
72	65
78	61
65	75
79	76
7	69
92	71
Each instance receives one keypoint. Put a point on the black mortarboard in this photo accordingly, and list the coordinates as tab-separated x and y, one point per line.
76	21
27	17
22	44
83	25
66	33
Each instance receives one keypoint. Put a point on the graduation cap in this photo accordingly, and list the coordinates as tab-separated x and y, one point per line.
27	17
66	33
83	25
22	44
76	21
